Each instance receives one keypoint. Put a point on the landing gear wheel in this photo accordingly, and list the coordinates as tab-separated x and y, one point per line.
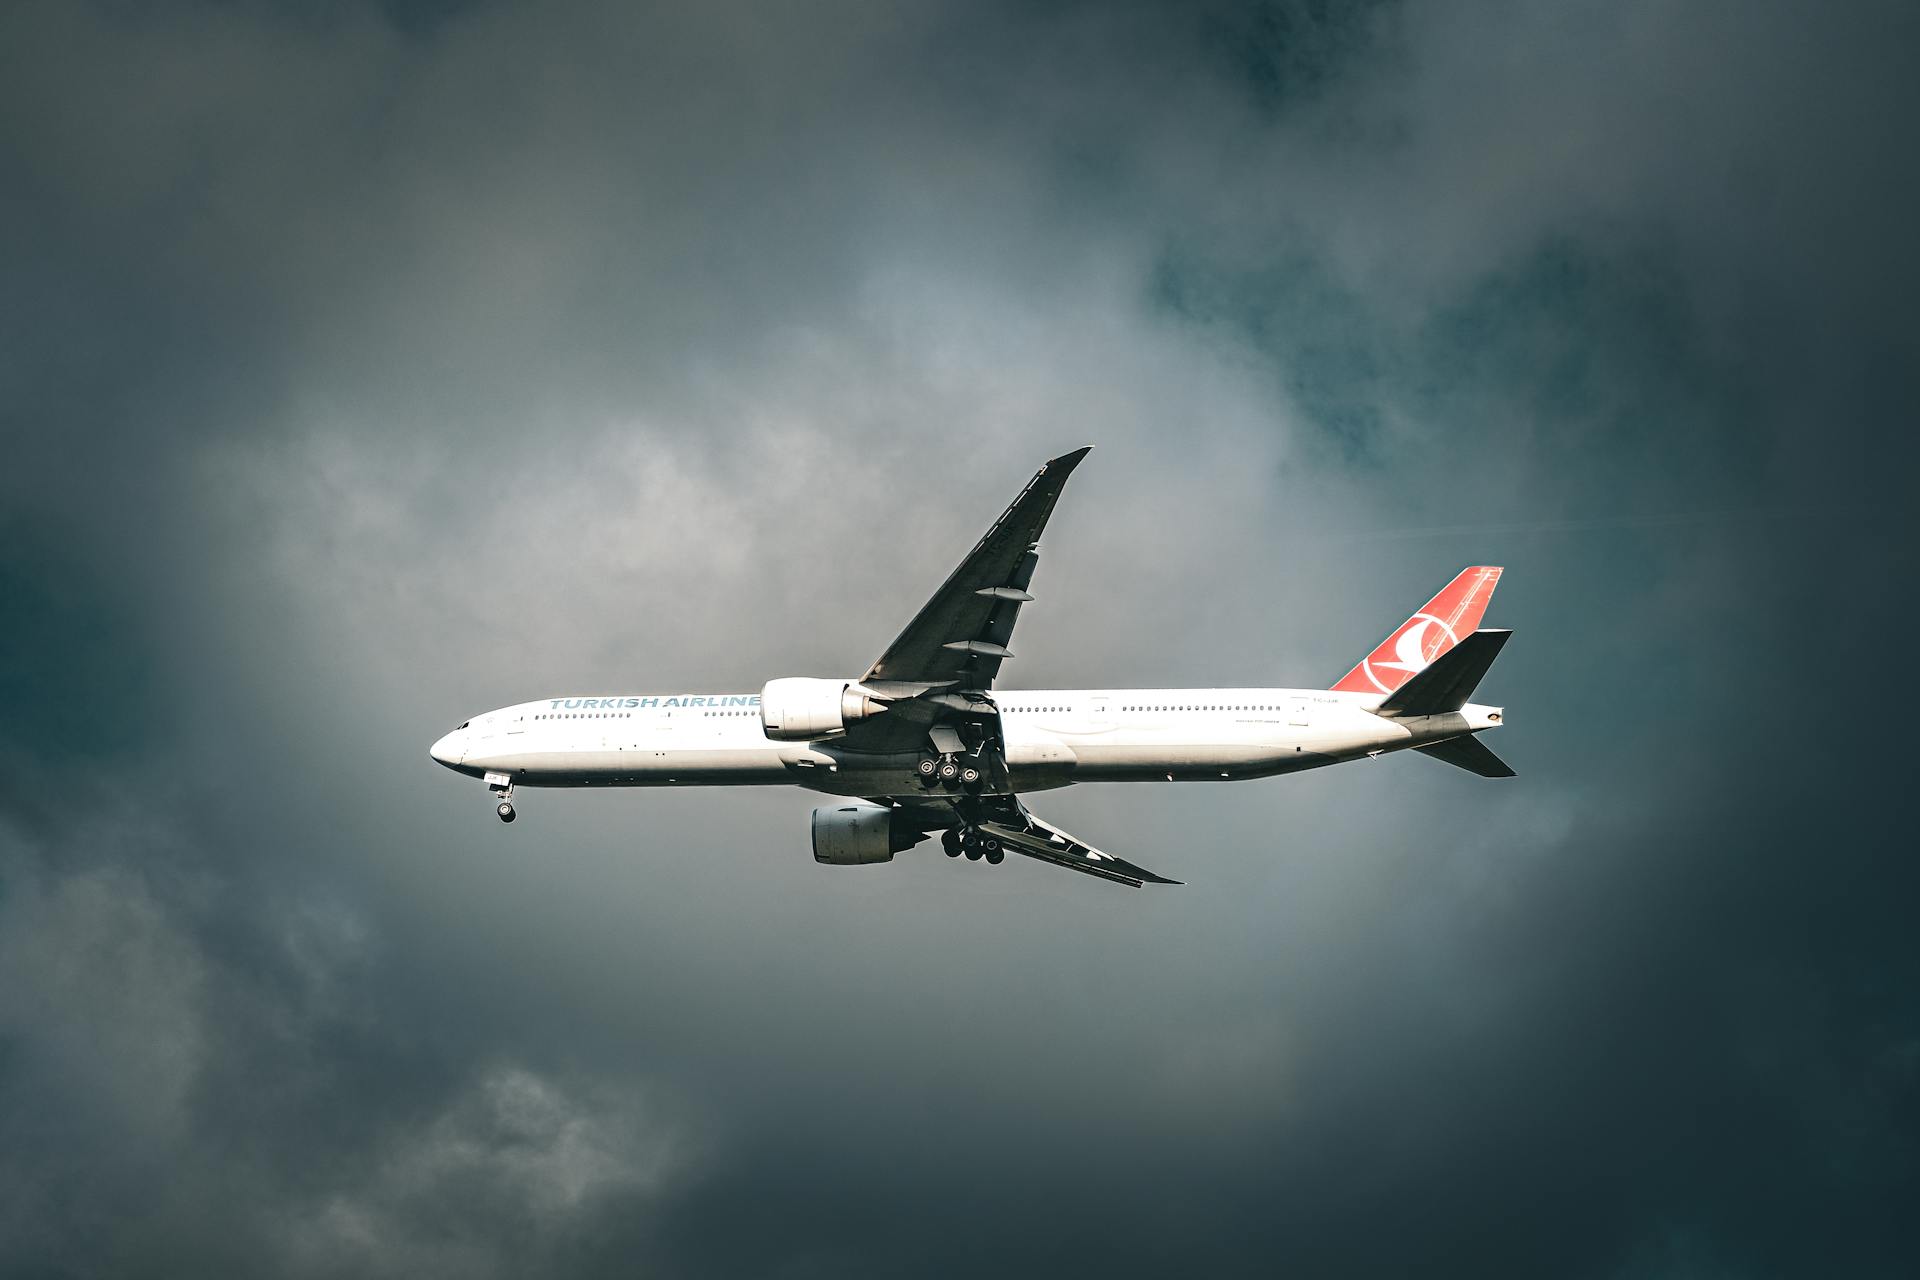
996	855
949	771
969	775
973	853
928	766
505	811
950	841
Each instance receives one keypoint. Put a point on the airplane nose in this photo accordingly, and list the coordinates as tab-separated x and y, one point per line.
449	750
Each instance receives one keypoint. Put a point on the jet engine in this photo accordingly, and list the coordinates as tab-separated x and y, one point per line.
797	708
857	834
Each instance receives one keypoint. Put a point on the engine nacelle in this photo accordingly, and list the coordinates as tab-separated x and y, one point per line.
798	708
859	834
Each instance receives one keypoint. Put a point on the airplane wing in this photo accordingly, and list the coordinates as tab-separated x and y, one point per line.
937	680
945	662
1016	827
1023	832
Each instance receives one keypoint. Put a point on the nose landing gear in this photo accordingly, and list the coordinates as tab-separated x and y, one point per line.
502	785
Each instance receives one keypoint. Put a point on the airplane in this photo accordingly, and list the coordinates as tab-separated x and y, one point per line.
923	742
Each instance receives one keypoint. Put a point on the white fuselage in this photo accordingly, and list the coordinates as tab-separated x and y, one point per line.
1053	738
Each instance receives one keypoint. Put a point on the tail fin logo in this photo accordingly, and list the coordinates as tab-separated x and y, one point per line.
1412	651
1447	617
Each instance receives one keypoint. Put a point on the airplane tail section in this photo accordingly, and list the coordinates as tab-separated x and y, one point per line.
1447	619
1450	680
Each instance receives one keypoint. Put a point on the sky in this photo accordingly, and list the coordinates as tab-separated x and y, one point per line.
366	366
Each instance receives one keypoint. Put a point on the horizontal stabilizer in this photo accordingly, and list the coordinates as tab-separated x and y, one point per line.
1469	753
1447	682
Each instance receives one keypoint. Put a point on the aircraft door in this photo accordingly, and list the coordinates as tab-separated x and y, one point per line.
660	732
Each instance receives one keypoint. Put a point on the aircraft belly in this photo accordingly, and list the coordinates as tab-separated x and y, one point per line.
1160	756
641	767
1040	764
1036	762
1192	762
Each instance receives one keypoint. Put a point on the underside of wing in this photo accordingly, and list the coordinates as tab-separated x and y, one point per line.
1047	843
1002	818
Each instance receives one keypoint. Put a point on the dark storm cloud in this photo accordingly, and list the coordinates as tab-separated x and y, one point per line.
367	366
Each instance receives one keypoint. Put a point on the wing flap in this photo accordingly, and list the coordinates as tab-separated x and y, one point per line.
1042	851
1017	828
1041	840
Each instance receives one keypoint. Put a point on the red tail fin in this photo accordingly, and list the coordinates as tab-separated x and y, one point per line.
1446	619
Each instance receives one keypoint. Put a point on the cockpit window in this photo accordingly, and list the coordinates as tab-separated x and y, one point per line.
465	723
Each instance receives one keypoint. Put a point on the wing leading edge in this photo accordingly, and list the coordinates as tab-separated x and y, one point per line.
961	634
940	669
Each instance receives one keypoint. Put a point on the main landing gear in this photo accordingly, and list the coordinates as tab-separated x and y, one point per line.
974	844
947	770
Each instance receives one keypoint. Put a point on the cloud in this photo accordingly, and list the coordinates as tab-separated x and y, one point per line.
113	994
514	1164
377	365
184	1069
